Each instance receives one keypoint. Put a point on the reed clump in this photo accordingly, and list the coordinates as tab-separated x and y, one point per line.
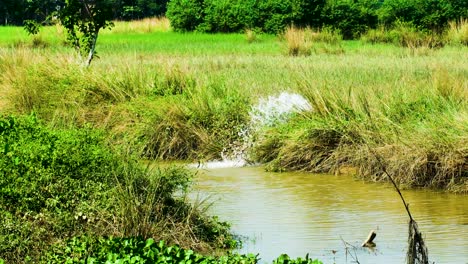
405	35
188	129
251	36
458	32
297	42
305	41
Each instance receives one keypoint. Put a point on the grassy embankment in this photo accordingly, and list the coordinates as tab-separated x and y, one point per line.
184	96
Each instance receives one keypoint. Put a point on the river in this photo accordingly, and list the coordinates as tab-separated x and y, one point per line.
299	213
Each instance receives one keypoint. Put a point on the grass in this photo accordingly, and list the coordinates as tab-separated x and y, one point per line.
183	96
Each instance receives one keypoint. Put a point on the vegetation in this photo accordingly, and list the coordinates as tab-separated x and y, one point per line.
407	103
60	184
71	179
133	250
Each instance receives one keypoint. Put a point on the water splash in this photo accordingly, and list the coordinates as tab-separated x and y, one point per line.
269	112
277	109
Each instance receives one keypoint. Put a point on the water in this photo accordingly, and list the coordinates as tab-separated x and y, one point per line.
299	213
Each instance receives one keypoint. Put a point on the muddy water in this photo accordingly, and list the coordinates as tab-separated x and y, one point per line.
298	213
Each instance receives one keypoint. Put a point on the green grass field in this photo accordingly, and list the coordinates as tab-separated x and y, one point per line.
169	95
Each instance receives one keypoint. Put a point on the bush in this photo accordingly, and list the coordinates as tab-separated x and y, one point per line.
431	15
185	15
407	35
276	15
48	180
228	15
349	17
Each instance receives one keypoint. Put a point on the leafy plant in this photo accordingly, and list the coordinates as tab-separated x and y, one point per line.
83	20
133	250
285	259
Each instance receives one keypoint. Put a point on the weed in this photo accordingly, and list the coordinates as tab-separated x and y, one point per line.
251	36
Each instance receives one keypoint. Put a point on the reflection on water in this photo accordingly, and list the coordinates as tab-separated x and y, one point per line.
297	213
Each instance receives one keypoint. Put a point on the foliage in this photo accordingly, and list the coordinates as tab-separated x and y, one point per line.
133	250
351	18
47	178
132	10
228	15
185	15
31	27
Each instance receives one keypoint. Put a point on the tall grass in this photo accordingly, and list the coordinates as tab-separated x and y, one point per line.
406	35
143	26
409	131
458	32
301	41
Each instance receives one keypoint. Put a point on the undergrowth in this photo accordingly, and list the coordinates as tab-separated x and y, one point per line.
58	184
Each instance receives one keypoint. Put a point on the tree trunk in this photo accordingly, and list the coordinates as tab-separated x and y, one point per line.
92	49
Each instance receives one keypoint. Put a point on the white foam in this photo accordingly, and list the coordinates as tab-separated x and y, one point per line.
268	112
220	164
277	109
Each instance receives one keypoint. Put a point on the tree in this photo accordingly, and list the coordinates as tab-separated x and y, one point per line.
83	19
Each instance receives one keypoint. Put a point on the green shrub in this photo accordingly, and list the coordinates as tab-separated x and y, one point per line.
185	15
349	17
276	15
228	15
407	35
48	181
379	35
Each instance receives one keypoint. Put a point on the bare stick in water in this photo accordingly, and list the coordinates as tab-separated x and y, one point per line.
369	241
417	250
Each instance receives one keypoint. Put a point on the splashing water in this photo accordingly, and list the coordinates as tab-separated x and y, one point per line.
268	112
277	109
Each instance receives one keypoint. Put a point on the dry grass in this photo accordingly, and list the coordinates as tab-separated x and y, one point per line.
297	41
146	25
